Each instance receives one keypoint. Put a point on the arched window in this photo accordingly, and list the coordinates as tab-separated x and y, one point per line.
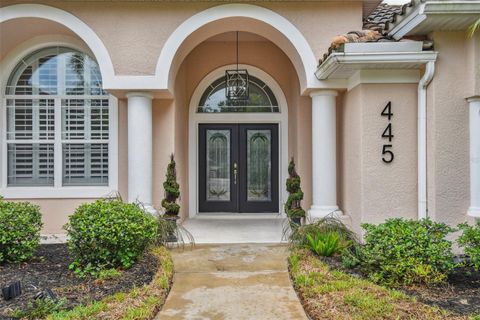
57	121
261	98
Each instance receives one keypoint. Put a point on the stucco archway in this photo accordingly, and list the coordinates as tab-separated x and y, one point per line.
237	17
70	21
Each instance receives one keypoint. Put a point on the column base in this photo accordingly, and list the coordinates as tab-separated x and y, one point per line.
148	208
319	212
474	212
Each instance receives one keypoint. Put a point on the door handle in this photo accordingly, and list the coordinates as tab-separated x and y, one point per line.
235	172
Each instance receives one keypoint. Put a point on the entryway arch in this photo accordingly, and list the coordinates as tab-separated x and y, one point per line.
195	118
237	17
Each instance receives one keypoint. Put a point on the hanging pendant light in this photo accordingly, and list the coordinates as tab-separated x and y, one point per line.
236	82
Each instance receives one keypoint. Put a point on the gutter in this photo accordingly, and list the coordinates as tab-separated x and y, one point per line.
416	16
422	138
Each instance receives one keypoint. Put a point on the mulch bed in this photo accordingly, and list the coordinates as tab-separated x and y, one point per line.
459	295
49	269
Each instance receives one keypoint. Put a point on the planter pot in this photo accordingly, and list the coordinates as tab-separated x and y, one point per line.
296	220
172	236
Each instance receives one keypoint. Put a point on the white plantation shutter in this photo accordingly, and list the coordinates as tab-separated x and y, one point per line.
85	120
57	85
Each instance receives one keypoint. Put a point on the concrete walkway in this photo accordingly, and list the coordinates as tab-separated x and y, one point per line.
235	281
236	228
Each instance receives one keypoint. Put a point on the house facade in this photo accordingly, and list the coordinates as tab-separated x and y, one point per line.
379	105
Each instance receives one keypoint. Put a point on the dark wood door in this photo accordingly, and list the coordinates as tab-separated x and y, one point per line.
238	168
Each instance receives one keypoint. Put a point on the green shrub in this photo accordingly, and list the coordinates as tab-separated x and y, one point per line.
470	241
325	244
108	234
20	225
351	256
403	251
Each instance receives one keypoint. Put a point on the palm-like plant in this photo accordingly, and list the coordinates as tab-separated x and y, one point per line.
473	28
326	244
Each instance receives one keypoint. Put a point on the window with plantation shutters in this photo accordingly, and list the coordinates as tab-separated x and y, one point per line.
57	121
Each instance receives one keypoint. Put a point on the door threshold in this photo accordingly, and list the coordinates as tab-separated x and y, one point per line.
240	216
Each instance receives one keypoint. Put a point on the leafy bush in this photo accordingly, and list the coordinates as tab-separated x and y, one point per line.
20	225
108	234
403	251
325	244
470	240
351	256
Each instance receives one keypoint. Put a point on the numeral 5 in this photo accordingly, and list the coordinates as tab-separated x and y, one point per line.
388	155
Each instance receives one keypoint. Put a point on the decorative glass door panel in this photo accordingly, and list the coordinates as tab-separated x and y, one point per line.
259	165
218	165
238	168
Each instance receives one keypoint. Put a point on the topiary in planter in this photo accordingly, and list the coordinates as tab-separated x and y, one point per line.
172	190
20	225
293	207
108	233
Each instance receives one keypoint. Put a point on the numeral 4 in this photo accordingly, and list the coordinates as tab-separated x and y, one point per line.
387	133
387	111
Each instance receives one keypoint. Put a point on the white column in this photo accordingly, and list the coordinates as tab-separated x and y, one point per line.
324	154
474	106
140	148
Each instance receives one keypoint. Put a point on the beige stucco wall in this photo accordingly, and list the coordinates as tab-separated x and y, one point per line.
55	212
149	24
372	191
448	133
350	142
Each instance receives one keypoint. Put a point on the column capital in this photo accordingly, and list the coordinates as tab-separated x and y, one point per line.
473	98
141	94
323	92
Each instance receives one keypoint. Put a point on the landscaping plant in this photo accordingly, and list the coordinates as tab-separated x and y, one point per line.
402	251
324	226
330	294
293	207
40	309
470	241
172	190
325	244
106	234
20	225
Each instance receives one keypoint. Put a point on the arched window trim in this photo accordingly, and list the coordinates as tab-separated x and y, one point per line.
218	85
60	189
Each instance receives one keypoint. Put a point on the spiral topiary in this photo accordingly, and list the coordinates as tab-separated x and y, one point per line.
172	190
293	207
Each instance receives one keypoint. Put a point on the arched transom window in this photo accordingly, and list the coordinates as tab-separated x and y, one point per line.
261	98
57	121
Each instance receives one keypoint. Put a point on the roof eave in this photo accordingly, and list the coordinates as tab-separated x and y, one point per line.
372	60
420	13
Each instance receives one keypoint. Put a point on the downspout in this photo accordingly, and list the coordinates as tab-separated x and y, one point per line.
422	138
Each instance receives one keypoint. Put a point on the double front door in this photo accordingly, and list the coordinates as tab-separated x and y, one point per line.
238	168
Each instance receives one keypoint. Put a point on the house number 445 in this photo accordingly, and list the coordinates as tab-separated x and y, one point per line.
387	152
